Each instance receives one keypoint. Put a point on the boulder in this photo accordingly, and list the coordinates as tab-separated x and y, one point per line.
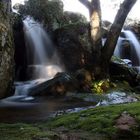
119	70
6	50
59	85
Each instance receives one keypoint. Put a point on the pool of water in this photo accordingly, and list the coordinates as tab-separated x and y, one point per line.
29	109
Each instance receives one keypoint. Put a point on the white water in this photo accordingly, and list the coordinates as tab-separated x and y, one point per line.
134	44
117	51
41	56
41	52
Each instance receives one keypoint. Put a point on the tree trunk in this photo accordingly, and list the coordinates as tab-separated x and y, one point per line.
101	58
114	33
95	28
95	33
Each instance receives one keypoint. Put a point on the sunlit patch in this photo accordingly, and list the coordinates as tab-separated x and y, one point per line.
95	22
52	70
45	72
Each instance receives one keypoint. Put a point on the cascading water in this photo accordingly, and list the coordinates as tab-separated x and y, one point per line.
134	42
43	62
117	51
134	52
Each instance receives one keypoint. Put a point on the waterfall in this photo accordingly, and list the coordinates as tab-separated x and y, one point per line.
117	51
134	51
42	58
134	43
43	61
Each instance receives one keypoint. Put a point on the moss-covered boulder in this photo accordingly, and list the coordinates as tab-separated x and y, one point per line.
6	49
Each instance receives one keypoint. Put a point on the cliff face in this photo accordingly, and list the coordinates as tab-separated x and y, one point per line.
6	49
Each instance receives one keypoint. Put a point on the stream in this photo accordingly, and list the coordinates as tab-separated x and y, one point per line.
20	108
29	109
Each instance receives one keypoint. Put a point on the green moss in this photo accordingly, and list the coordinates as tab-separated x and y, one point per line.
116	59
22	132
97	122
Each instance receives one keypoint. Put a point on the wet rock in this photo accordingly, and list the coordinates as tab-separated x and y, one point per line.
59	85
6	50
118	98
119	70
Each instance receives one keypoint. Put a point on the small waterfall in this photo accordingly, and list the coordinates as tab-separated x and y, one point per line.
134	43
117	51
133	53
43	61
42	58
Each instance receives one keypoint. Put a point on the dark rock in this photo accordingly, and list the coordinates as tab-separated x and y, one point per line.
69	46
59	85
20	49
84	79
6	50
122	71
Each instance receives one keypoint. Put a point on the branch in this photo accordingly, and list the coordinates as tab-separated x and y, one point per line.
87	4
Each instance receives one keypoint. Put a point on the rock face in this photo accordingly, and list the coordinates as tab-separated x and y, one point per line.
20	49
6	49
69	46
119	70
59	85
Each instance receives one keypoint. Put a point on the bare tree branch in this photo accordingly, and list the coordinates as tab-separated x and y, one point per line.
87	4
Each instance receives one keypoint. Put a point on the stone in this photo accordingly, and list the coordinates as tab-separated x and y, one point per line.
125	122
6	50
58	86
119	70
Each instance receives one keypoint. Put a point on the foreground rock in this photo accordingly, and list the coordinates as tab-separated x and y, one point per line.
59	85
80	81
6	49
119	70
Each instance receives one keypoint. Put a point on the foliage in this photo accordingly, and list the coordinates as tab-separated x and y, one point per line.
102	86
49	12
71	17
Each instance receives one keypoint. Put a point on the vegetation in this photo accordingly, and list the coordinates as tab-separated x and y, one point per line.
50	13
98	123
